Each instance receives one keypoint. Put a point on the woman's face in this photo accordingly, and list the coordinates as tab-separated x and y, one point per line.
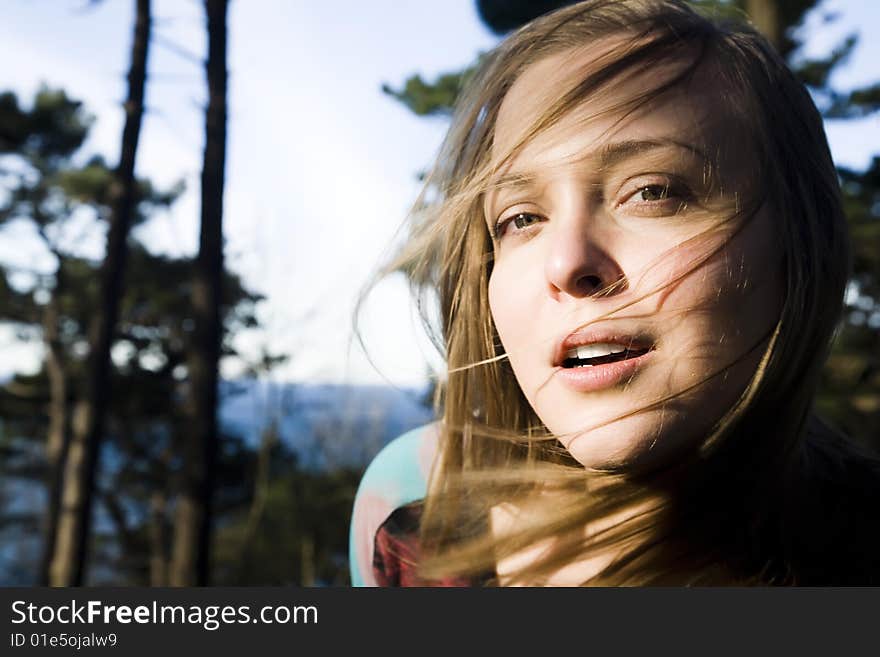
607	196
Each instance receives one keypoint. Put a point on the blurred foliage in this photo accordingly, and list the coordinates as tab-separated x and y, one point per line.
850	394
306	511
503	16
55	127
430	98
44	187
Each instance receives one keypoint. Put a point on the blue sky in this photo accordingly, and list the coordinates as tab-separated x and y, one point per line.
321	164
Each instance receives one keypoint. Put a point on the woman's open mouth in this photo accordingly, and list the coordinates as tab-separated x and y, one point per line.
599	354
597	366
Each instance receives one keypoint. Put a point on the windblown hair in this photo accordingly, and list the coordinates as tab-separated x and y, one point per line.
741	506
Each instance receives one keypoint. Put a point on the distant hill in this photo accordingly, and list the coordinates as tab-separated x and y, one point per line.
327	424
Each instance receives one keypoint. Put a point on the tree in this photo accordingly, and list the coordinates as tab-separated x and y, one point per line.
191	560
37	145
147	422
46	190
70	549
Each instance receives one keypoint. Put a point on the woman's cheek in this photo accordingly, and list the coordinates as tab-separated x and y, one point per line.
502	308
515	311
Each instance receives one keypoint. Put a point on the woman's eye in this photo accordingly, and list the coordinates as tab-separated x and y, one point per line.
525	219
662	198
653	193
519	221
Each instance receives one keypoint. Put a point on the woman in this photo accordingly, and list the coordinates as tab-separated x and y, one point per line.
635	233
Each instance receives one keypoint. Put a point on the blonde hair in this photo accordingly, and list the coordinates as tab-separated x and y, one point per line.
494	449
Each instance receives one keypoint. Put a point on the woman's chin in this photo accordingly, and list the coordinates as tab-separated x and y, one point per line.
642	440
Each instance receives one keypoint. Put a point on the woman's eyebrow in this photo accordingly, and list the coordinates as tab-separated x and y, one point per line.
513	181
506	184
616	152
607	156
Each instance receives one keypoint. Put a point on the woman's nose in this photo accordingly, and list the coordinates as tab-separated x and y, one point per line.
578	264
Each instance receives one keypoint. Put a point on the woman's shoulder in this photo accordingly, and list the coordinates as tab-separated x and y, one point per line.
395	478
839	537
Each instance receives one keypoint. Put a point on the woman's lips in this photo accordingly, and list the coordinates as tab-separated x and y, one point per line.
634	341
599	377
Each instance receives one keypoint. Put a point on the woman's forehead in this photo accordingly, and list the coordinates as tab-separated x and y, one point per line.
685	114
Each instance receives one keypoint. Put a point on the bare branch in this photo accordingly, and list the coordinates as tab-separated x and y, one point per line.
178	50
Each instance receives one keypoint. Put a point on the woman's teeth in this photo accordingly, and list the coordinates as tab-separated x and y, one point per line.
594	350
589	355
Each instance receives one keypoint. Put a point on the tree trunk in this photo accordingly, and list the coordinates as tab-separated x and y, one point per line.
159	526
765	15
74	529
128	547
58	438
307	562
268	440
193	520
159	539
